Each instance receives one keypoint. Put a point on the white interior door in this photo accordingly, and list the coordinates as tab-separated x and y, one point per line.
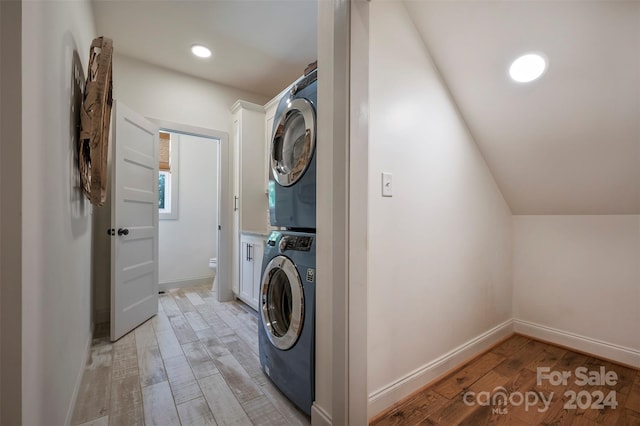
134	220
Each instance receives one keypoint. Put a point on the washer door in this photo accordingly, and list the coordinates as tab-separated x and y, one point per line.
294	141
282	303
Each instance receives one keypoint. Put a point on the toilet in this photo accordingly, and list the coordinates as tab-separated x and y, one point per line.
213	264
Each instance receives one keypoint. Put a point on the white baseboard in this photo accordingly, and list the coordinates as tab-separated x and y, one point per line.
319	417
76	387
596	347
385	397
168	285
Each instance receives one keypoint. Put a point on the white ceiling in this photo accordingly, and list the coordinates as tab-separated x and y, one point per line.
568	143
258	45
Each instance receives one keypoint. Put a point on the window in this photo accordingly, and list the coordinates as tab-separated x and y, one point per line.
164	191
168	176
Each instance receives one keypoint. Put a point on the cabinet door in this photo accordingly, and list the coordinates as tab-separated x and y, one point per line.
253	202
246	272
257	252
237	260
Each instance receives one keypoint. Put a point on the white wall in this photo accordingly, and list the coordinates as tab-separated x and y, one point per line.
577	282
56	221
439	259
186	244
167	95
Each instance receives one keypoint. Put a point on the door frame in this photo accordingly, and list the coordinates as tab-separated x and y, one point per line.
343	183
225	204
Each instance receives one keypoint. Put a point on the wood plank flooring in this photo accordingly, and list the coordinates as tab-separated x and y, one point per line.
469	396
195	363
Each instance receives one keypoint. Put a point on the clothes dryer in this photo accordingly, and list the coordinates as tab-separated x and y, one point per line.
292	184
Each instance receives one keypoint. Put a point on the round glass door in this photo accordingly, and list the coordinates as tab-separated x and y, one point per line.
293	142
282	303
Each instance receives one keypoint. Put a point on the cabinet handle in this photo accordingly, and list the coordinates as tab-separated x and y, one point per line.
235	203
249	246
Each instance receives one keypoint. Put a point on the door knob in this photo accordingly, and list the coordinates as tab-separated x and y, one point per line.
123	231
111	231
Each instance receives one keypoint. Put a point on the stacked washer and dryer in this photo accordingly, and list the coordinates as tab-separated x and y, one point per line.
287	295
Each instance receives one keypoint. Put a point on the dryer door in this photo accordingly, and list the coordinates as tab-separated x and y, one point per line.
294	140
282	303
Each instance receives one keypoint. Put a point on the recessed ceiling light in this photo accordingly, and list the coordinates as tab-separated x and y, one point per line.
527	67
200	51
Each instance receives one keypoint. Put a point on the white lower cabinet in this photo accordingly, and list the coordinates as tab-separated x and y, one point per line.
251	251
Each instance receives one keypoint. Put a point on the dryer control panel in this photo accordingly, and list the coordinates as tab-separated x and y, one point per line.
304	82
296	242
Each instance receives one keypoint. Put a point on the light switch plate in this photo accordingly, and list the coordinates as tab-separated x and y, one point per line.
387	184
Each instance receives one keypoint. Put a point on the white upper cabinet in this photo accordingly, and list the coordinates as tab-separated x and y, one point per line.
249	181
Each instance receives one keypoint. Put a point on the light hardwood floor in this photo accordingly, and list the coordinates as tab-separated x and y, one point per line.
513	366
195	363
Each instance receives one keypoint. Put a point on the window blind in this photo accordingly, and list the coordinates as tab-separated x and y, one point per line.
165	151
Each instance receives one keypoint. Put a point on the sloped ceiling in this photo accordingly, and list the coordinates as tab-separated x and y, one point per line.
568	143
258	45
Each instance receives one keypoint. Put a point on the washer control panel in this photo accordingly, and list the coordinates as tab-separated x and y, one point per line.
295	242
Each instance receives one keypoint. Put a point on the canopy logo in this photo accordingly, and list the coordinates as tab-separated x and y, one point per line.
500	398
